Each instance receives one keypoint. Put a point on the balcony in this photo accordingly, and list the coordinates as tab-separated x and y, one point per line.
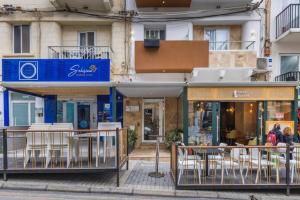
289	76
232	54
79	52
288	24
171	56
99	5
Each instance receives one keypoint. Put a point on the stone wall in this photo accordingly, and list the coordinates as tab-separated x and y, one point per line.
135	118
232	58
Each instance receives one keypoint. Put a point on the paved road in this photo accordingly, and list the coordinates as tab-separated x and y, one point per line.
44	195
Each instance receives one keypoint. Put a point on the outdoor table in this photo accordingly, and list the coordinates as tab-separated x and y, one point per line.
205	153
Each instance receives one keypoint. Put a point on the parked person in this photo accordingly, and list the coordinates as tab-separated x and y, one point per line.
288	138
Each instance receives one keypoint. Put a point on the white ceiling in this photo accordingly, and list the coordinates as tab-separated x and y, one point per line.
150	92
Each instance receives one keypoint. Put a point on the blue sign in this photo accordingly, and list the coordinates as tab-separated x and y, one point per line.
41	70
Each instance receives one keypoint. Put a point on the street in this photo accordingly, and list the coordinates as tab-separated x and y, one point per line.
35	195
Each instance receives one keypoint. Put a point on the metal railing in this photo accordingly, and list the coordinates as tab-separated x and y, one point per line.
231	45
287	19
79	52
227	167
289	76
63	151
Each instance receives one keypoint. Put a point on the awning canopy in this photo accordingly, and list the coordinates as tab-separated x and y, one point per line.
59	88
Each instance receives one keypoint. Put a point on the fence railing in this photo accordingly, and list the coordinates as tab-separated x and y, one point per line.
287	19
289	76
47	151
231	45
227	167
79	52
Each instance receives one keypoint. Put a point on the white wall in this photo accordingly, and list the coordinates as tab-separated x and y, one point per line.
179	31
251	32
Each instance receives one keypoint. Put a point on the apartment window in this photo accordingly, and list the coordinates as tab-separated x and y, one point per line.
218	38
87	39
23	109
21	38
289	63
157	32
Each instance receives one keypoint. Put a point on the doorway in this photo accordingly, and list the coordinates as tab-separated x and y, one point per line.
238	122
83	113
153	120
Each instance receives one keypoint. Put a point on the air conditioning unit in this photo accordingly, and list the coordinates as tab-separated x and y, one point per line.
262	63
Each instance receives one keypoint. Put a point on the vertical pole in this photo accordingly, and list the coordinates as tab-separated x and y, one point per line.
114	104
185	116
176	166
288	150
265	118
215	123
118	157
127	162
6	107
295	114
4	137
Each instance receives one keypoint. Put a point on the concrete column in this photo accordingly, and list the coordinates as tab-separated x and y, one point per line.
6	38
51	35
118	47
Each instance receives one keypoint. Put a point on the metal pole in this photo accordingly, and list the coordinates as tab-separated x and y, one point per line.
117	154
156	174
288	169
4	137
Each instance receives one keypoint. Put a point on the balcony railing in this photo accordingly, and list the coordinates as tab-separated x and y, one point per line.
289	76
231	45
287	19
227	167
79	52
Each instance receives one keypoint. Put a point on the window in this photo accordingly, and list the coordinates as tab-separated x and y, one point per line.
23	109
21	38
218	38
279	110
87	39
157	32
289	63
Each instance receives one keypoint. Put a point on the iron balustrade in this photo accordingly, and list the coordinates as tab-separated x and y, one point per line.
231	45
287	19
236	167
64	151
289	76
79	52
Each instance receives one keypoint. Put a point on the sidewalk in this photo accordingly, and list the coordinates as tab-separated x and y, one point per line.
135	181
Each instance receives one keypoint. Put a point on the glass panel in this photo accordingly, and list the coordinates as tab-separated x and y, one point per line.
210	35
82	39
151	120
200	122
279	110
91	38
289	64
70	112
222	36
25	39
19	96
32	113
17	39
83	116
59	114
20	114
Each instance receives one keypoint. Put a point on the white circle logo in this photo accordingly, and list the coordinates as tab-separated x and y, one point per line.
28	70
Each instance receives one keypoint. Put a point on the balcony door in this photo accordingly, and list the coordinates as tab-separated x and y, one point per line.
87	43
153	119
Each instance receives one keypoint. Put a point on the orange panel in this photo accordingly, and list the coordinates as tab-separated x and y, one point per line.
171	56
163	3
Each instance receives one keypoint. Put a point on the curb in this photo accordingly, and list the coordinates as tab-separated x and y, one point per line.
141	192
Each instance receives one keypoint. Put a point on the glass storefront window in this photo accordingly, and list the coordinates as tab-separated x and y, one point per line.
200	122
279	110
21	97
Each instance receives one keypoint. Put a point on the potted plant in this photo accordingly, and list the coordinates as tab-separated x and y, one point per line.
172	136
131	139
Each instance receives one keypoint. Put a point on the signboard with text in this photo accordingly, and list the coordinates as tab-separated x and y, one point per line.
52	70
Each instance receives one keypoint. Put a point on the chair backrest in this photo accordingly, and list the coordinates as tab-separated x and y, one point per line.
108	127
254	153
235	153
38	136
61	137
180	154
241	150
281	150
222	145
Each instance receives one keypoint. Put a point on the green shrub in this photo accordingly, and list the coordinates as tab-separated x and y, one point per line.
131	137
172	136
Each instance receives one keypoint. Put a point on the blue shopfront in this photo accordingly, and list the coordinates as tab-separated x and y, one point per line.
75	91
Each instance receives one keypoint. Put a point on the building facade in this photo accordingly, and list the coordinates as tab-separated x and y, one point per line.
157	66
